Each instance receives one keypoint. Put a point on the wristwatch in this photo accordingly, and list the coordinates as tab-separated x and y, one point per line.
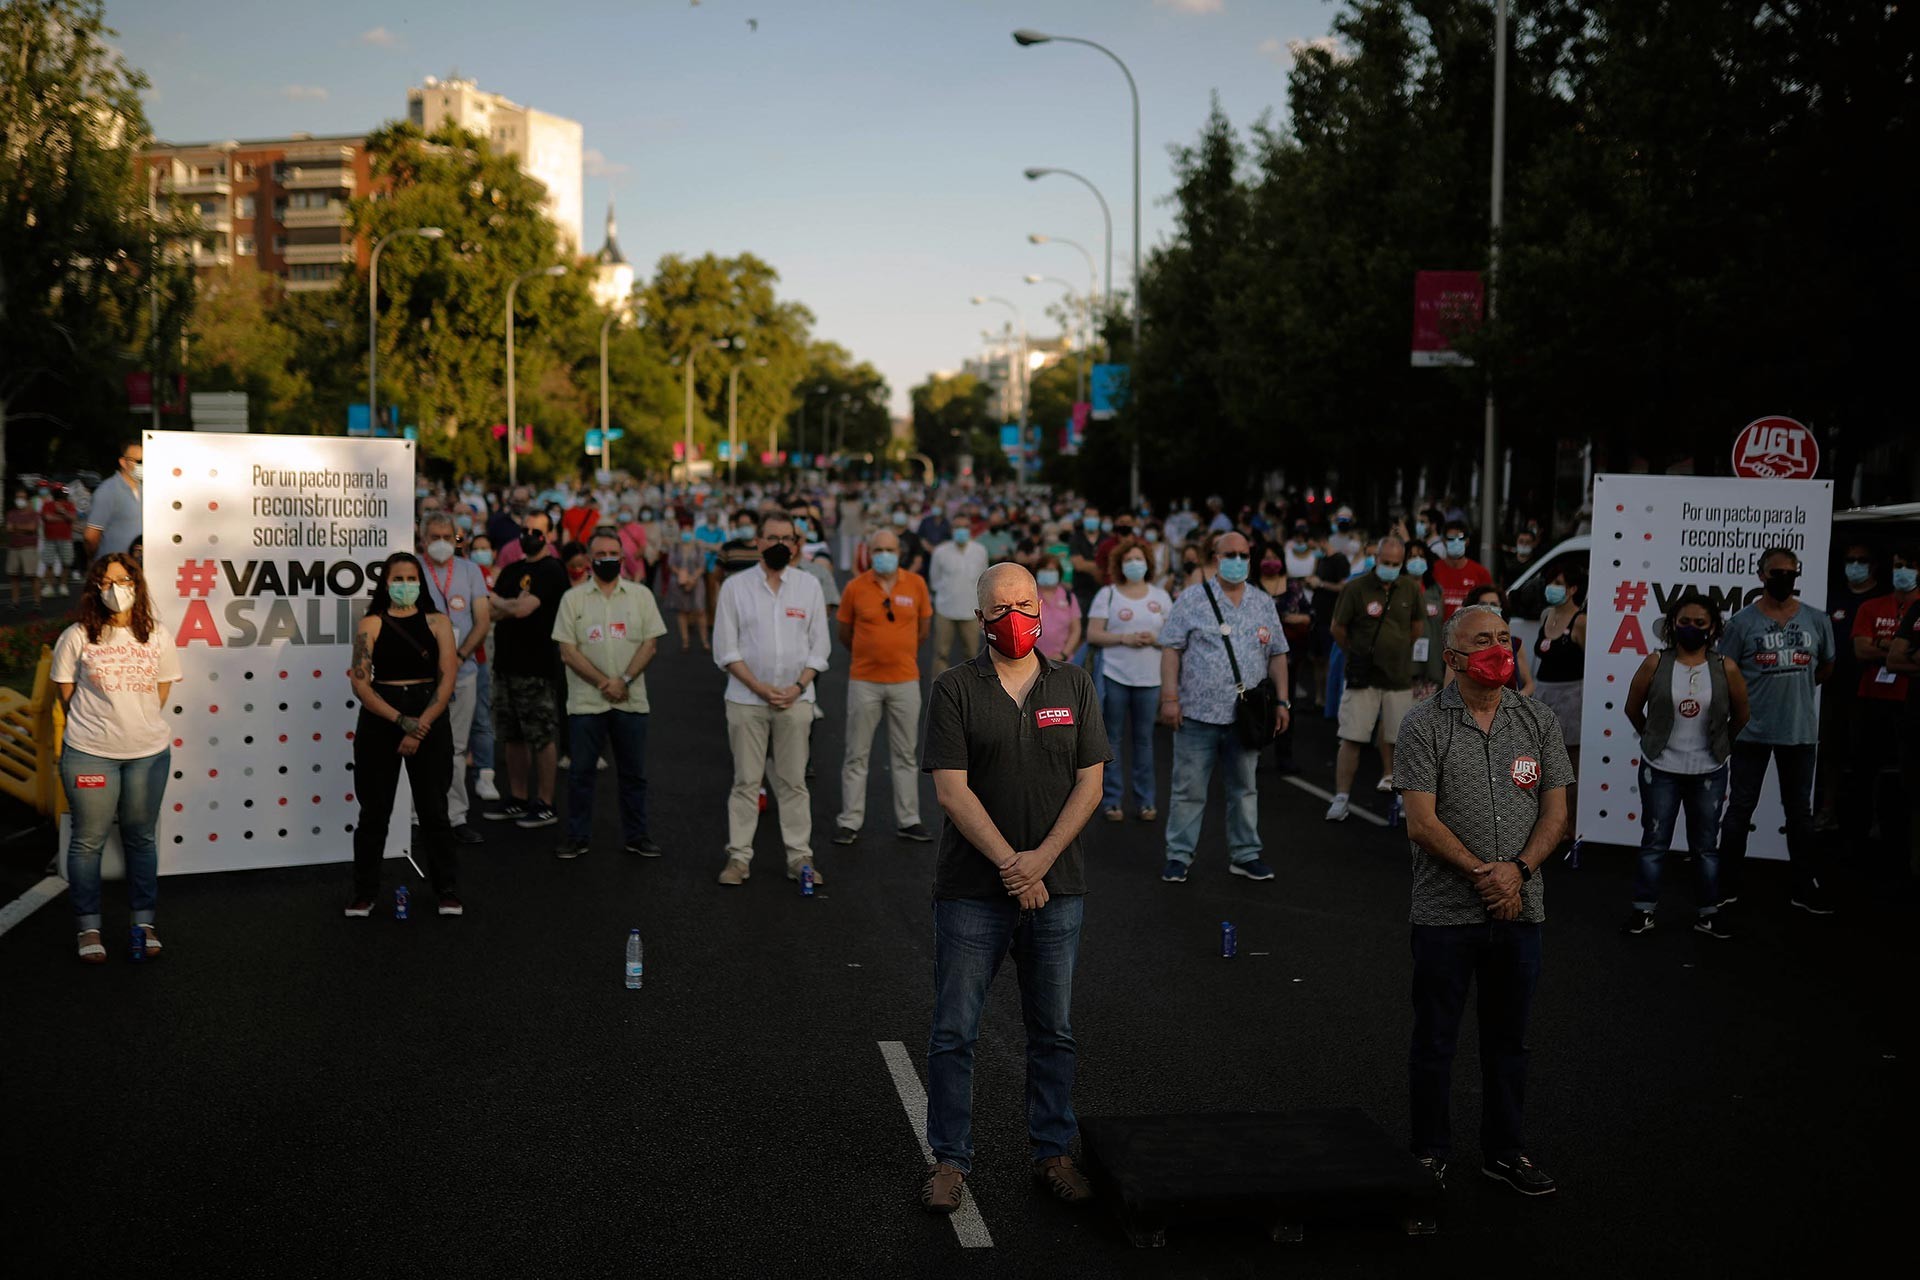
1526	872
1283	704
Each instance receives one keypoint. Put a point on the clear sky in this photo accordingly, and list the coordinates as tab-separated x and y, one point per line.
871	150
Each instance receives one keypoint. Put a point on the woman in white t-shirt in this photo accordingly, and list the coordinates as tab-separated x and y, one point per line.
113	669
1124	622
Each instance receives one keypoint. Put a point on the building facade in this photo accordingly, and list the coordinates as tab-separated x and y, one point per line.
279	205
548	148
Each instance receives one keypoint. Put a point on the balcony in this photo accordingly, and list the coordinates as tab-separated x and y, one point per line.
315	154
196	186
309	178
333	214
204	257
311	286
317	254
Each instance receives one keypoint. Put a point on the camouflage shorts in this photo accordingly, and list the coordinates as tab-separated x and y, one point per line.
524	710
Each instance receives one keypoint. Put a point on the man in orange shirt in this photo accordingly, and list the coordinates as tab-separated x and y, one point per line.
885	614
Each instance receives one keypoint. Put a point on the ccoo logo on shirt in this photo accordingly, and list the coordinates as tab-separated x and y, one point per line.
1048	717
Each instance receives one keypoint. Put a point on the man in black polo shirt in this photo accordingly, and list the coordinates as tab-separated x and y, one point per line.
1016	748
526	715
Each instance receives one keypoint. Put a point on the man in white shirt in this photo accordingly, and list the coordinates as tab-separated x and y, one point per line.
954	576
770	637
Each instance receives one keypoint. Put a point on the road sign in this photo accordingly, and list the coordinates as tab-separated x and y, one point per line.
1776	449
616	433
593	439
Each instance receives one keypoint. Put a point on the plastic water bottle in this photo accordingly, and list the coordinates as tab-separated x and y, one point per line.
1229	940
400	902
806	881
137	950
636	960
1396	811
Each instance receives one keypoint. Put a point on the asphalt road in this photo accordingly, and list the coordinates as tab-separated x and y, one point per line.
290	1093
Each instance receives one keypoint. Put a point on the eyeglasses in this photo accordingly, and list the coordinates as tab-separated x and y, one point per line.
791	540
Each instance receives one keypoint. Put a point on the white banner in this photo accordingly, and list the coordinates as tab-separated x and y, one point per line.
1653	538
260	555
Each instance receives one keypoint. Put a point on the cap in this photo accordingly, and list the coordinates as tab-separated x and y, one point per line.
1343	512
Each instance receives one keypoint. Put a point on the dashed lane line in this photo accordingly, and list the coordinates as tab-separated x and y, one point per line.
968	1225
31	901
1365	815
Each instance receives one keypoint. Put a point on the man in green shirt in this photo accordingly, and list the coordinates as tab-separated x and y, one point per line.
608	630
1378	621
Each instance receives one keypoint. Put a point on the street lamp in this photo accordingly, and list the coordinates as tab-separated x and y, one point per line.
1080	383
606	441
719	344
978	300
733	415
1023	38
1093	289
1106	215
373	313
513	455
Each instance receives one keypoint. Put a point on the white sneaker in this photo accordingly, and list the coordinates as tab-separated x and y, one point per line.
1339	809
483	786
601	764
64	591
1385	783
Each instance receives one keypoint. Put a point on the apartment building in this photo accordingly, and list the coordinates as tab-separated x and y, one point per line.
546	147
280	204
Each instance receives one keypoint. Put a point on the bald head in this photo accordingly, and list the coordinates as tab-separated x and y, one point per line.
883	540
1008	585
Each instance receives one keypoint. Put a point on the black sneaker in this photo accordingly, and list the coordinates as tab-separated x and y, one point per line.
450	905
845	835
1714	926
915	832
1437	1167
1175	872
644	847
1521	1174
569	849
1637	921
506	811
537	815
1813	902
464	834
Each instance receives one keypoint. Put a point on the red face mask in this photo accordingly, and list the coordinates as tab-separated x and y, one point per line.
577	575
1013	634
1491	666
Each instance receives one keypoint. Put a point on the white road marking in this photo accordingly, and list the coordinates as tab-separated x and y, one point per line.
31	901
968	1225
1365	815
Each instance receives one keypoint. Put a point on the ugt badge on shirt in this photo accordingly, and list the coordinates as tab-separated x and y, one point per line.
1525	772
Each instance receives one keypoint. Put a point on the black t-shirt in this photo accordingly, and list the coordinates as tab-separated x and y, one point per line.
1021	761
1332	572
524	646
913	552
1086	584
1844	605
738	554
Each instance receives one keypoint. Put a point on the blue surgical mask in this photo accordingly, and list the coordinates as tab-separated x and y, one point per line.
1048	577
900	518
1134	570
1233	569
1857	574
1092	524
482	556
1456	547
404	595
1153	535
1417	567
686	535
1556	594
1419	528
1905	578
963	535
886	562
1386	572
465	522
1106	526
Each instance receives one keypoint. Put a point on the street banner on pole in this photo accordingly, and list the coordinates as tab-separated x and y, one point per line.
261	552
1108	389
1446	305
1653	538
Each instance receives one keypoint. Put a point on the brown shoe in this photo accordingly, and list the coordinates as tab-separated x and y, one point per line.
941	1191
1065	1181
793	873
1149	815
735	872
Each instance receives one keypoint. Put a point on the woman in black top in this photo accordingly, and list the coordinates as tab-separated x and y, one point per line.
404	666
1560	654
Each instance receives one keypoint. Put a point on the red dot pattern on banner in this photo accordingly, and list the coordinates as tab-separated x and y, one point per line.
1603	786
349	797
316	737
316	799
283	737
179	742
176	471
179	808
283	799
213	773
213	506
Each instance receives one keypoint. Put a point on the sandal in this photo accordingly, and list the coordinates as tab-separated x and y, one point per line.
1060	1177
1113	815
153	942
1149	814
92	952
940	1193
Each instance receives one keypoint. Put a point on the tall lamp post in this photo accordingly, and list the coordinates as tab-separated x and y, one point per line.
373	315
1013	387
513	421
1093	280
1023	38
719	344
1489	501
606	419
733	416
1106	216
1080	384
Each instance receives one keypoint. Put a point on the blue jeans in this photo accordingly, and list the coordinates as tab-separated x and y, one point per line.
1504	955
1129	711
131	791
971	936
1749	771
585	735
1336	682
1195	747
1661	796
480	740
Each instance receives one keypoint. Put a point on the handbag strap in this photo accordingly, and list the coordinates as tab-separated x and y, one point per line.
1239	684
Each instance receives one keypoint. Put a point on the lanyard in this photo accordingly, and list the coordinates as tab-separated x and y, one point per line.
446	588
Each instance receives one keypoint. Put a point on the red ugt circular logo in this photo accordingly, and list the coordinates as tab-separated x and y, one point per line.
1776	449
1525	772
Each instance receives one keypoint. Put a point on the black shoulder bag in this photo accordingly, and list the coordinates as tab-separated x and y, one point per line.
1253	709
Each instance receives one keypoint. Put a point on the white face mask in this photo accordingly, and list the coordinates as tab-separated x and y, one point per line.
439	551
119	597
139	470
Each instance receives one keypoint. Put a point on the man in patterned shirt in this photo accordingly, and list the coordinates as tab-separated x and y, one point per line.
1484	773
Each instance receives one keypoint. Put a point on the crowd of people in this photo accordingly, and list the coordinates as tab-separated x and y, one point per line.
515	642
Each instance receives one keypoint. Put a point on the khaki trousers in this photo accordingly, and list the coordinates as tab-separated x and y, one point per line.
867	702
947	631
751	727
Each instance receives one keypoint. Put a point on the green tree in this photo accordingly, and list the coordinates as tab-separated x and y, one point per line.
76	242
240	343
953	415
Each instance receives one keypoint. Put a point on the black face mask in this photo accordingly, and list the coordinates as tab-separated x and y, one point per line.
1780	584
607	568
778	556
1692	639
531	542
